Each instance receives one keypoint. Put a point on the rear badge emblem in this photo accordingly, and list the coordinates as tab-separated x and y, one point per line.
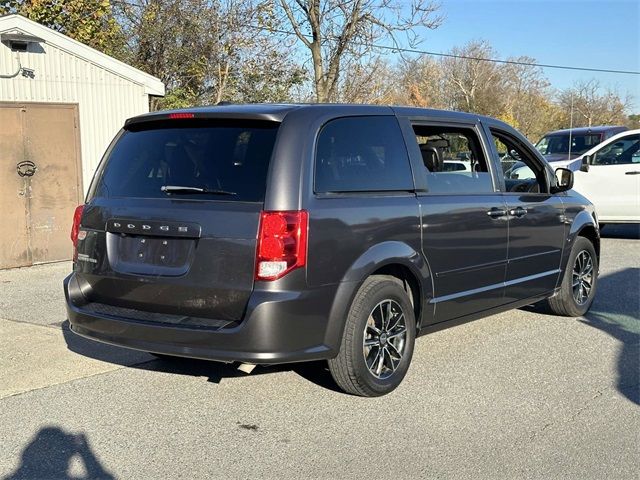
83	257
162	228
82	234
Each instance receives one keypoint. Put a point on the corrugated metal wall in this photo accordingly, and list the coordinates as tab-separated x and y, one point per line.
105	99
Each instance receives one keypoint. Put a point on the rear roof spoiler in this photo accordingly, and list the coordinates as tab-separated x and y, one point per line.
227	111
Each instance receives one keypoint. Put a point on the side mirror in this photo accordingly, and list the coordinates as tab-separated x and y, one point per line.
564	180
586	161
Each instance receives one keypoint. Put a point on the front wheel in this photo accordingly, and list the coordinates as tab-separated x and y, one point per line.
378	339
579	282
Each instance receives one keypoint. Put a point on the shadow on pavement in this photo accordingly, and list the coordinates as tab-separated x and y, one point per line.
616	311
51	454
315	372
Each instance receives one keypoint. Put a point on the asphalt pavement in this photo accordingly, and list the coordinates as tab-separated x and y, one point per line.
516	395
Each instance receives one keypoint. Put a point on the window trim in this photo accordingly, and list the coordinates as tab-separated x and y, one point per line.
608	143
359	193
475	128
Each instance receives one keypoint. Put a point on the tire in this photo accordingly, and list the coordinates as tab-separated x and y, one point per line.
568	301
379	298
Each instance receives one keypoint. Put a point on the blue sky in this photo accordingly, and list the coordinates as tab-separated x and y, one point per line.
587	33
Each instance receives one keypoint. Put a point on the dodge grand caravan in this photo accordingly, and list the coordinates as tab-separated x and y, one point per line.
287	233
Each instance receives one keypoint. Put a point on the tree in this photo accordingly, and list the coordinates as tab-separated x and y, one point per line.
467	80
89	21
473	84
420	83
342	33
633	121
268	75
587	104
207	51
526	97
371	83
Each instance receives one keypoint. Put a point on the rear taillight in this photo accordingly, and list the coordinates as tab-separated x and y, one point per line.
282	243
75	228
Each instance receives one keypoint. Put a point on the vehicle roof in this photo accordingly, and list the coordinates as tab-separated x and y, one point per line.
583	130
277	112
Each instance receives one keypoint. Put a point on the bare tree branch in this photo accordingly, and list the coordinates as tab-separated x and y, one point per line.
346	31
294	23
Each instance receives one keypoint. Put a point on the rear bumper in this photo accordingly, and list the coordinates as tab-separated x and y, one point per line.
278	327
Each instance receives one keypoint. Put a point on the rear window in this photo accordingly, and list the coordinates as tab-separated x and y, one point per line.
362	154
229	159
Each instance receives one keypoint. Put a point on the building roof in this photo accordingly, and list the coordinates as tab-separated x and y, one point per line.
18	23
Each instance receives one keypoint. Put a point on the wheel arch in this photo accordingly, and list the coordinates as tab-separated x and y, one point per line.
393	258
584	225
593	235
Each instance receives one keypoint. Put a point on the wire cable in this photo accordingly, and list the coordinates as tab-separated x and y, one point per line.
465	57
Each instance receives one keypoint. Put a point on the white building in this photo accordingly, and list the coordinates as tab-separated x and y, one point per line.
61	103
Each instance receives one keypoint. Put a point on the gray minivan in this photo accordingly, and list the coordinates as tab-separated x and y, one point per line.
286	233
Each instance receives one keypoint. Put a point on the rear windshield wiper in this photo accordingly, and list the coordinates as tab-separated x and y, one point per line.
186	189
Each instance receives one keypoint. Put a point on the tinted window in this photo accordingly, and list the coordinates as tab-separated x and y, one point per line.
559	144
453	160
230	156
624	150
359	154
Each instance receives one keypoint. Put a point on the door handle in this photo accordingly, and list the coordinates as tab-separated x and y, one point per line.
633	173
518	212
496	212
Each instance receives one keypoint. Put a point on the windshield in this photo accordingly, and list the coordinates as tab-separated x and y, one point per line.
195	159
559	144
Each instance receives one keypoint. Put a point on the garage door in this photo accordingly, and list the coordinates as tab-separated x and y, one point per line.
39	182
